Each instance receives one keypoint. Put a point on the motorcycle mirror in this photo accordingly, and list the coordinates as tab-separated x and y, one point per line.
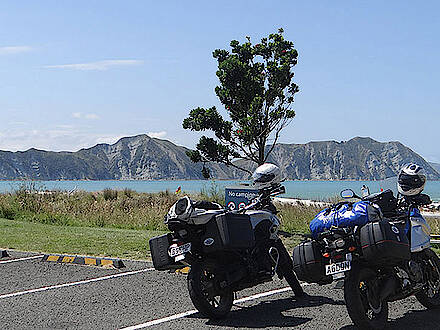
365	191
347	193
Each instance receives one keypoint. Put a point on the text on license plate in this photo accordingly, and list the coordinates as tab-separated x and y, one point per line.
178	250
337	267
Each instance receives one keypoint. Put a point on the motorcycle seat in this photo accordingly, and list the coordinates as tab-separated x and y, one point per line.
201	216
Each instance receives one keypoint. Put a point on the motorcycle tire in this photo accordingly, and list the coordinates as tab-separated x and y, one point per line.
429	297
356	300
209	302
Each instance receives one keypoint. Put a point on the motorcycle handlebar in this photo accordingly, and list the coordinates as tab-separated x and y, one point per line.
264	195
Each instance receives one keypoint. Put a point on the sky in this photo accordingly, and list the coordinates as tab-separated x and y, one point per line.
77	73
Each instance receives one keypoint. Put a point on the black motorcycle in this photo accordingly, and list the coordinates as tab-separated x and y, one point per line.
382	261
227	251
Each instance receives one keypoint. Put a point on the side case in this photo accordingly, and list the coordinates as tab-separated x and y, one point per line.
236	231
227	232
308	263
159	253
384	244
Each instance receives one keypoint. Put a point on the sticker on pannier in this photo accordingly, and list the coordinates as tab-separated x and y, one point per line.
345	215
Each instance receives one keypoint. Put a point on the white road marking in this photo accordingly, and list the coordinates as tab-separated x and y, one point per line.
159	321
21	259
263	294
191	312
46	288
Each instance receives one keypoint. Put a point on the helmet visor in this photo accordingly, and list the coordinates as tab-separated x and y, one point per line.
263	178
407	181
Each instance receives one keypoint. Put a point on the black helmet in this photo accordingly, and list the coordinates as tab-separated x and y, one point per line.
411	180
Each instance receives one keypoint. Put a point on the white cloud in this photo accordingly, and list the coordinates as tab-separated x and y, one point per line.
110	139
157	135
57	138
98	66
14	50
91	116
18	123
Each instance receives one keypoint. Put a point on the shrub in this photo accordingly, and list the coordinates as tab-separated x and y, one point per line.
110	194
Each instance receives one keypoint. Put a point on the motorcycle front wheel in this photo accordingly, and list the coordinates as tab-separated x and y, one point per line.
430	295
360	309
208	299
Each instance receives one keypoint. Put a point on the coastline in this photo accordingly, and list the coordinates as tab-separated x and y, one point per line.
309	202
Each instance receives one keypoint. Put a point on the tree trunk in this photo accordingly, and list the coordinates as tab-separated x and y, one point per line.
261	146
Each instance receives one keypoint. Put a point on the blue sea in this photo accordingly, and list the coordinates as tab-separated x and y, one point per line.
316	190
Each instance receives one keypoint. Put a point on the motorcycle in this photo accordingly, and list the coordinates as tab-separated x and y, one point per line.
382	261
227	251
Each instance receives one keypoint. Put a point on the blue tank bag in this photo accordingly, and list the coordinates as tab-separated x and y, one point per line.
345	215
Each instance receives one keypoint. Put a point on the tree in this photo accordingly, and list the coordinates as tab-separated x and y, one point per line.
257	91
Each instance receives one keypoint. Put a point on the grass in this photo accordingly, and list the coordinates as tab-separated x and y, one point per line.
108	242
107	209
296	218
125	209
109	223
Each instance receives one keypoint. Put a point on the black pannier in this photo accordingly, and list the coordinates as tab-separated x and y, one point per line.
159	253
226	232
384	243
308	263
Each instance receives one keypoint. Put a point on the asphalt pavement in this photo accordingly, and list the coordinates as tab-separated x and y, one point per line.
48	295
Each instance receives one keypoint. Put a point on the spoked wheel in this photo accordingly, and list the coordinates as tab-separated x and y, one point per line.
366	311
430	295
206	295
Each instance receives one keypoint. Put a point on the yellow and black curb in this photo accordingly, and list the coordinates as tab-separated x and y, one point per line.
183	271
90	261
3	254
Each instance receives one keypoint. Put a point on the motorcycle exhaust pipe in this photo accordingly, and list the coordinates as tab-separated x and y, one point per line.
388	288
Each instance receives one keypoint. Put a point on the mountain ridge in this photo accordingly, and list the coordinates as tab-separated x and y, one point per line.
436	166
142	157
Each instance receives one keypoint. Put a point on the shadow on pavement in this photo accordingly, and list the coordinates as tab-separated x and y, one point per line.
412	320
270	313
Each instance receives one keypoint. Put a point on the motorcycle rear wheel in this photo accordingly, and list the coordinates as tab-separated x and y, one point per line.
207	299
430	295
358	305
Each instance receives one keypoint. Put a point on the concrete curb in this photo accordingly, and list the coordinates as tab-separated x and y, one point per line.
4	254
90	261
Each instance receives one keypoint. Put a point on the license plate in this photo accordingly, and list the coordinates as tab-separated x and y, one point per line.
179	250
337	267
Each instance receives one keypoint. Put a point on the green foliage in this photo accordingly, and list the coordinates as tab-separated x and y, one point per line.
212	193
110	194
257	91
206	172
296	218
128	192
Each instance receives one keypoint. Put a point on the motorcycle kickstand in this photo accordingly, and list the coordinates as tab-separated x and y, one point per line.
275	259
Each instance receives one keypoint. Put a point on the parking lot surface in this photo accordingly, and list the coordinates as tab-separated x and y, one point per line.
48	295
